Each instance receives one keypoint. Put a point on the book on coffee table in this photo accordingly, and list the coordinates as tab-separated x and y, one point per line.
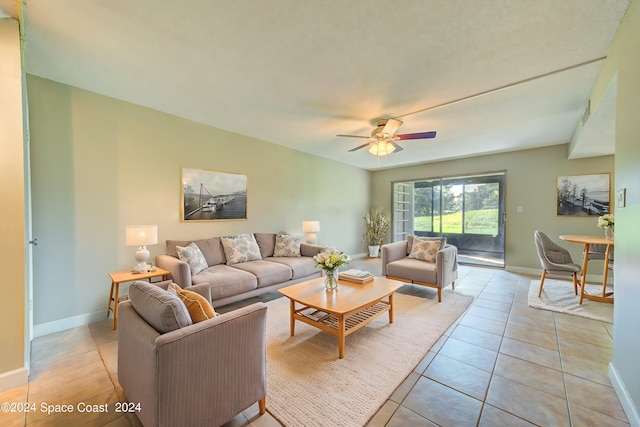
357	276
314	314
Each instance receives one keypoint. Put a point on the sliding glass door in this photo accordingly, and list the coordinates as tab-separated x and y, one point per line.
467	210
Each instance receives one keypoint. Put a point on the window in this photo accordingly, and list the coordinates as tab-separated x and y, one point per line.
468	210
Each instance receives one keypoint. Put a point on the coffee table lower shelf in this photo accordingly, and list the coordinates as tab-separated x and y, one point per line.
356	320
342	325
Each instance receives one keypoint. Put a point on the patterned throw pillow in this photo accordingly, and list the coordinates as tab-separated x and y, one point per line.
287	245
198	307
425	250
193	256
413	238
240	248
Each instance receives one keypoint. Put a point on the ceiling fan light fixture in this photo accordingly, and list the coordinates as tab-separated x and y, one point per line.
382	148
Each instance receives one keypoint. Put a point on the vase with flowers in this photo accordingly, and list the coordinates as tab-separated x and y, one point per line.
329	261
606	221
377	226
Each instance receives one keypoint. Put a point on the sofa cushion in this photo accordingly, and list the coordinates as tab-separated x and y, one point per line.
413	269
266	243
240	248
425	250
192	255
412	238
300	266
160	309
287	245
198	307
210	248
267	273
225	281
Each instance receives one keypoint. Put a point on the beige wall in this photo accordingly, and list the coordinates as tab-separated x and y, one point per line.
624	59
12	231
531	177
100	164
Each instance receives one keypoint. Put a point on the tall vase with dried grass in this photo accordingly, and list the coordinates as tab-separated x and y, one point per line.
377	226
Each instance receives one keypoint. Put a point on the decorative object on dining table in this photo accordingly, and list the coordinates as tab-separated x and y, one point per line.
377	225
329	261
607	222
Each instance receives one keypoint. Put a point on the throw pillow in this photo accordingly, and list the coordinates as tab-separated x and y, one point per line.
425	250
160	309
193	256
240	248
198	307
287	245
413	238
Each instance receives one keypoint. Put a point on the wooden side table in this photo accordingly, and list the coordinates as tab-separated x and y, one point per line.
128	276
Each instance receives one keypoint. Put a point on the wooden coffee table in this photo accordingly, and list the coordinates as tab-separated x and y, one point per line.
346	309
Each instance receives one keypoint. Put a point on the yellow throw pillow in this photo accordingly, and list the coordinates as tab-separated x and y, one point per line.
198	307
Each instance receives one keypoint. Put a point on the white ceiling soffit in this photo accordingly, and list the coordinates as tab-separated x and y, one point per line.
598	134
299	72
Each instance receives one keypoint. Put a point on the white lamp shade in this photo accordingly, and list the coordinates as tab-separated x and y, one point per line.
310	226
141	235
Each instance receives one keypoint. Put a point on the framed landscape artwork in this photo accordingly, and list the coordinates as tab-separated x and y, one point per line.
212	196
583	195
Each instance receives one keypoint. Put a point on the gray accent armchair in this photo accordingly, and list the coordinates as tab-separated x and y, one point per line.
185	374
397	265
554	259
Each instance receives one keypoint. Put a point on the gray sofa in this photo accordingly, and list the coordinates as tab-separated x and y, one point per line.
397	264
230	283
178	373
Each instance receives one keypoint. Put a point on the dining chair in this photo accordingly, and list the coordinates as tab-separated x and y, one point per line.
554	260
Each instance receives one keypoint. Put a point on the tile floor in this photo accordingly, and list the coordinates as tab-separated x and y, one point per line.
501	364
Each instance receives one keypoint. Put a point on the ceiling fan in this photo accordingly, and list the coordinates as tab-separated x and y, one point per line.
382	139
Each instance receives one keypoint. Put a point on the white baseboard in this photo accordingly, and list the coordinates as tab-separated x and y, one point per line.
591	278
13	379
68	323
630	409
523	270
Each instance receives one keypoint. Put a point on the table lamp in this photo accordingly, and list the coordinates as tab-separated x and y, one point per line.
311	227
141	236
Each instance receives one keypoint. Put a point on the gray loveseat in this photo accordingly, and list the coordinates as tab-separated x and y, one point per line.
230	282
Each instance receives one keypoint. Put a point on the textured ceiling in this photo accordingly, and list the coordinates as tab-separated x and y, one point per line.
299	72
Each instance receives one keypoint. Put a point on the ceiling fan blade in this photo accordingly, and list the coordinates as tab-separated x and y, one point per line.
355	136
391	126
360	146
419	135
397	147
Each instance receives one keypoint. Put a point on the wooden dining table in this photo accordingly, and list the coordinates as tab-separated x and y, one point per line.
588	241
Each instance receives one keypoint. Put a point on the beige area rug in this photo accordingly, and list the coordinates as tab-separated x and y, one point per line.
558	295
307	385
